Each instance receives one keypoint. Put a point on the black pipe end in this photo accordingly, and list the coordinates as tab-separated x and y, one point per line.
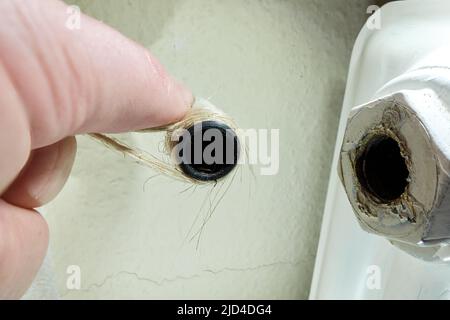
195	152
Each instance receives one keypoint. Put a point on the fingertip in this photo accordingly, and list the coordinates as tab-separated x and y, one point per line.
183	102
167	99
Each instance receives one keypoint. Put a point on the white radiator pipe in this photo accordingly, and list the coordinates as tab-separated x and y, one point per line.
395	160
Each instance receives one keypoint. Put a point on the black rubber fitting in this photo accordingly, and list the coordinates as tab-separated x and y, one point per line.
195	165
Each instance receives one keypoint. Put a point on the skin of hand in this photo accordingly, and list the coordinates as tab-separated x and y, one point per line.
55	83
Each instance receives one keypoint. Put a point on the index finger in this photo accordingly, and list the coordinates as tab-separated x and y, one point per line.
90	79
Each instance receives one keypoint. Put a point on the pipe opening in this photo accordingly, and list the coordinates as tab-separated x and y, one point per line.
381	169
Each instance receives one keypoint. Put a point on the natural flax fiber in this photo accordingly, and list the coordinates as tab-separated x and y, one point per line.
201	110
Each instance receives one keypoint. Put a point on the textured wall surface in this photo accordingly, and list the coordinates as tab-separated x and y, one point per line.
269	64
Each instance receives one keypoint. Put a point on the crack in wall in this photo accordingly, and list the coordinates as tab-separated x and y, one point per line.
164	281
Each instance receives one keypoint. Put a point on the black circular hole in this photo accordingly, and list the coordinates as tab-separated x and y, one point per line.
202	156
381	169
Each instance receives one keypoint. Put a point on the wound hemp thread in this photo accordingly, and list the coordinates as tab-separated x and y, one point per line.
200	118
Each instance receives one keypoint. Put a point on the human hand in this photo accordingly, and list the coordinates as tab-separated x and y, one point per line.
56	83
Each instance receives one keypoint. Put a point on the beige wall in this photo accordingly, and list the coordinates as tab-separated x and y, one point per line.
269	64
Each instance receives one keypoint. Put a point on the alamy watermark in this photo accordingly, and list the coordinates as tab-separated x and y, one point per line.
73	21
219	146
73	281
374	21
373	277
